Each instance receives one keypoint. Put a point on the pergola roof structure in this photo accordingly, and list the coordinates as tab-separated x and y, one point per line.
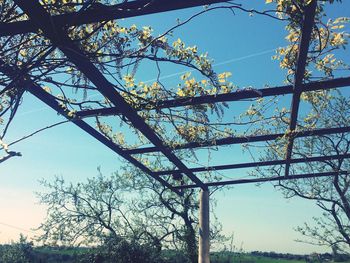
52	28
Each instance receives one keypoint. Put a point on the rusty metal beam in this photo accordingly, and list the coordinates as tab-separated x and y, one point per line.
233	96
244	139
257	164
306	32
266	179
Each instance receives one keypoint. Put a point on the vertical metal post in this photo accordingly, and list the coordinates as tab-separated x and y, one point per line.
203	254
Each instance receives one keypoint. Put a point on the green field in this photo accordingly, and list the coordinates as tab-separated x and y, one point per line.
253	259
264	259
246	258
81	254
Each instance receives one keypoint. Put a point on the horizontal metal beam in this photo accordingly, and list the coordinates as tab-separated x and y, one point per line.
266	179
100	12
233	96
257	164
244	139
42	19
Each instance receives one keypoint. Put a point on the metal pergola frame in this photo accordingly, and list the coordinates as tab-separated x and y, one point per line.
52	28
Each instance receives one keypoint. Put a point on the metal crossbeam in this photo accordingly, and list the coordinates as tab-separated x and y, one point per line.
50	100
266	179
100	12
257	164
41	18
306	32
233	96
244	139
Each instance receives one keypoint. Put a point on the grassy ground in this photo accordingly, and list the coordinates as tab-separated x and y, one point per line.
250	259
246	258
268	260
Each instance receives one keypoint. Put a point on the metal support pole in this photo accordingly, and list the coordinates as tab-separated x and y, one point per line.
203	254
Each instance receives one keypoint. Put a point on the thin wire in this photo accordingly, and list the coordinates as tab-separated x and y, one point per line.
16	227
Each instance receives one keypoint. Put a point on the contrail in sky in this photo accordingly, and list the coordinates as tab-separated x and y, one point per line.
217	64
175	74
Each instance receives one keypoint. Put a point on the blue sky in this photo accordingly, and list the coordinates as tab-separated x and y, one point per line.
259	217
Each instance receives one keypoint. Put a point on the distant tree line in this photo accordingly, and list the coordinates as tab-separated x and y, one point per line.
123	251
272	254
111	251
315	257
